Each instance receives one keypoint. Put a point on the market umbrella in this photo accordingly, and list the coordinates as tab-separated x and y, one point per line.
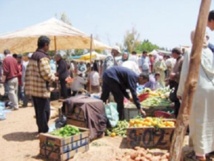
62	35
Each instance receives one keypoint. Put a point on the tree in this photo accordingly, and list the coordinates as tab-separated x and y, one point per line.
131	40
146	45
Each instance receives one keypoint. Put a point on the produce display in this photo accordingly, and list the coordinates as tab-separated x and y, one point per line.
66	131
155	101
151	122
155	98
140	154
119	129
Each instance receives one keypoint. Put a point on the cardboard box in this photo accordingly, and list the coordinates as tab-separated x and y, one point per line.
57	148
149	137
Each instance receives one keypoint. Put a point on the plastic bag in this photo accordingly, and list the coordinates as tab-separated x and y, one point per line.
112	113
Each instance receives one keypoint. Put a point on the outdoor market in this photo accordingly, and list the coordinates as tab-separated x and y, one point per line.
67	95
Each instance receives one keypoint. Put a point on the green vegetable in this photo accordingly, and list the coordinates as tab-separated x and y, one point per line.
156	101
119	129
66	131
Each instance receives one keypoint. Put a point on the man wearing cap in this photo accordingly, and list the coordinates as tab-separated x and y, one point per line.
11	72
62	73
37	79
110	59
117	80
175	78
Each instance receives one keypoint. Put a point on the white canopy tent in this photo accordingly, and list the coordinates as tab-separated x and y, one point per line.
62	35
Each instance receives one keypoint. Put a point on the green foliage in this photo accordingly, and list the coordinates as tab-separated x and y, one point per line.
146	45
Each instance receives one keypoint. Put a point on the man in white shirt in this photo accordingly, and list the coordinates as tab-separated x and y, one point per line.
134	57
144	63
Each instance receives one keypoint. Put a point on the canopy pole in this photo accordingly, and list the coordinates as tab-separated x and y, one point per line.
55	45
191	83
91	43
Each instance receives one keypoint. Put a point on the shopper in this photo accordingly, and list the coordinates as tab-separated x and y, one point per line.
38	77
145	63
11	73
62	73
175	78
94	79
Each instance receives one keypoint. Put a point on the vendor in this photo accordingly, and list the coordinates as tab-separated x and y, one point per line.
78	83
149	81
117	80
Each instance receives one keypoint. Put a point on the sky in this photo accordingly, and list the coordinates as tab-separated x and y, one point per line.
167	23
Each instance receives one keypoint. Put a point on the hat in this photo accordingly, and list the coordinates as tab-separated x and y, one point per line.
116	48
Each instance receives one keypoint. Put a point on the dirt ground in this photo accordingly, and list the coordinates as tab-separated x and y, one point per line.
18	133
19	141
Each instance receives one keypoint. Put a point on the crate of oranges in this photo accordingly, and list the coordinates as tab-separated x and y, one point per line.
150	132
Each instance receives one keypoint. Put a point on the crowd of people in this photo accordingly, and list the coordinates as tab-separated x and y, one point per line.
30	79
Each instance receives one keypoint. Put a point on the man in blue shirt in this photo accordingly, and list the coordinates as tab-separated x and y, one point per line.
117	80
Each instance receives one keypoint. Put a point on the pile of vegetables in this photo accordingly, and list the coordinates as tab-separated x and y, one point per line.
119	129
156	101
66	131
151	98
140	154
151	122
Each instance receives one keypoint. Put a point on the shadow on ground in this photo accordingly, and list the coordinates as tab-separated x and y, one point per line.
21	136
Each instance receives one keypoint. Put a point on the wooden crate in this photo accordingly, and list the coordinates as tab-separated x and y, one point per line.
57	148
149	137
79	123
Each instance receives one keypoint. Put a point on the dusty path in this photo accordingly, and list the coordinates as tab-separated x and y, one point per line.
18	140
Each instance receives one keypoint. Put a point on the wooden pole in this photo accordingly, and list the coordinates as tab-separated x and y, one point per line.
90	60
191	82
55	45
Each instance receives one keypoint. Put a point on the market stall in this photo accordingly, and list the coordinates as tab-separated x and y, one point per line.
84	111
151	101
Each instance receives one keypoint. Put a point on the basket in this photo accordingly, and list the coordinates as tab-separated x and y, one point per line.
162	114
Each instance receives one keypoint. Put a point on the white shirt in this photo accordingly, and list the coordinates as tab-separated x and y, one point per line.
170	63
94	78
72	67
78	83
145	63
134	58
132	66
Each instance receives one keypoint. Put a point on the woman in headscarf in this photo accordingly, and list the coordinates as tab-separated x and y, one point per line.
201	120
160	67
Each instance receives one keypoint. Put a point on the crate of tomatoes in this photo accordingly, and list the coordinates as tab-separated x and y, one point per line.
150	132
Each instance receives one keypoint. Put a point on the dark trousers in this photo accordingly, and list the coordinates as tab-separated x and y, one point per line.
173	97
112	86
42	110
64	91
